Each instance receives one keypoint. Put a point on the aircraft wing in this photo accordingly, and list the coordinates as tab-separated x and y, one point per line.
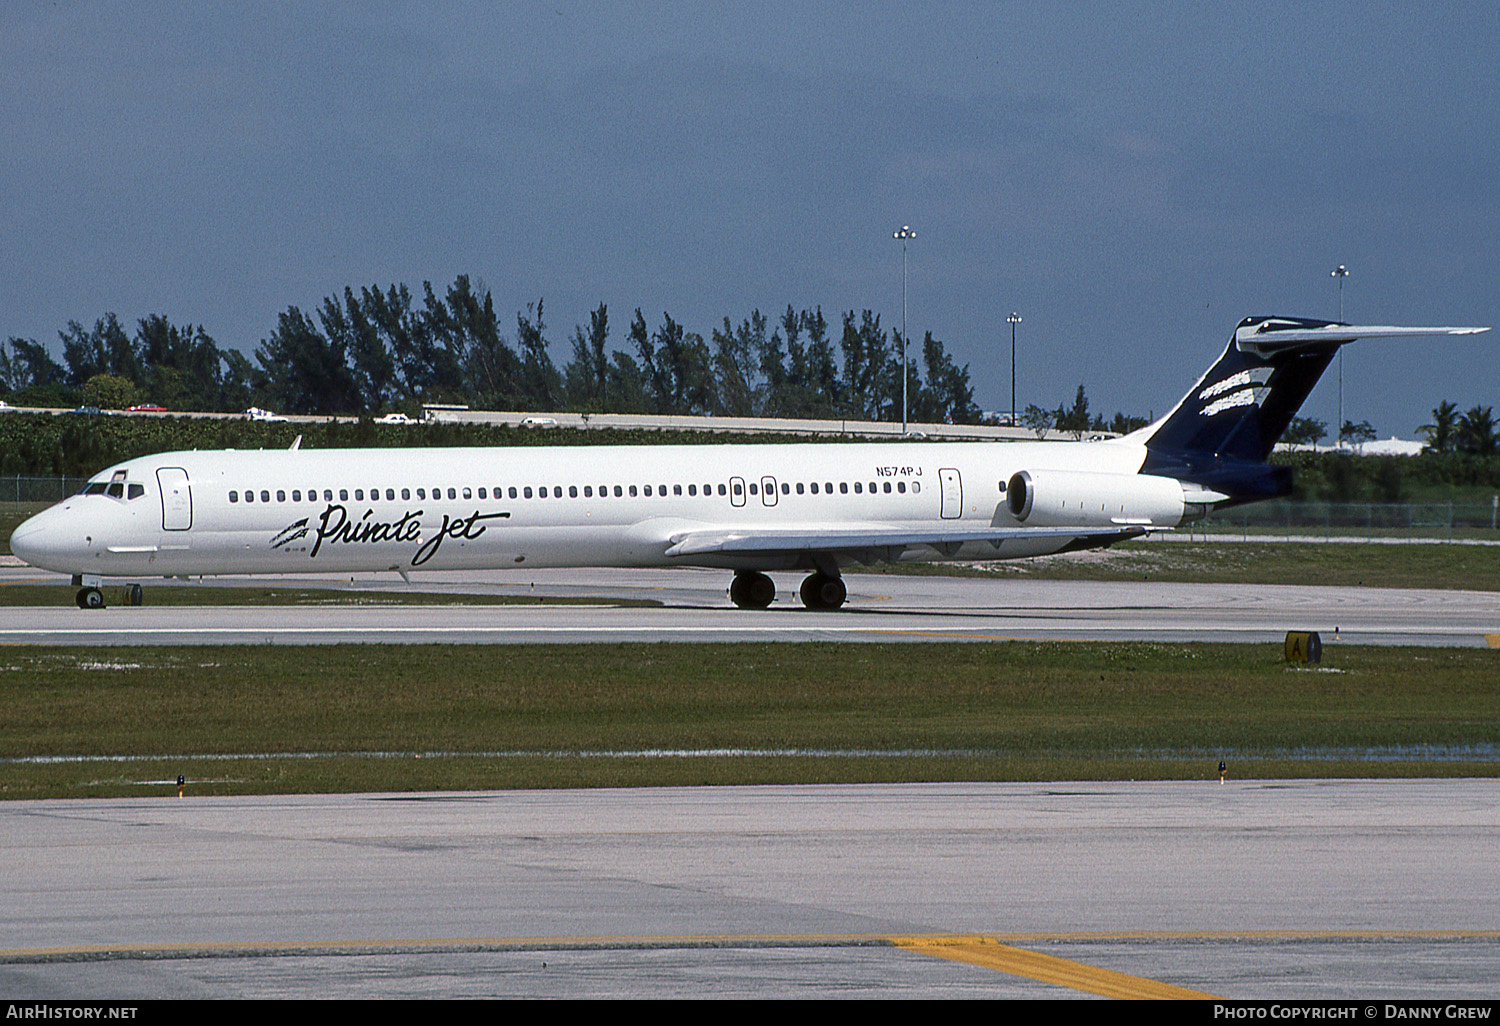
866	545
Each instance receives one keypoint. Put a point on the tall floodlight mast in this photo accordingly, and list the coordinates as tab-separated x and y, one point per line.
1340	273
903	234
1014	319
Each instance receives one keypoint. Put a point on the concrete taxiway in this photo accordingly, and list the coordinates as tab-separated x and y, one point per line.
694	608
1271	890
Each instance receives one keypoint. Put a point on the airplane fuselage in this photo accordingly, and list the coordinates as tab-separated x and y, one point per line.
274	511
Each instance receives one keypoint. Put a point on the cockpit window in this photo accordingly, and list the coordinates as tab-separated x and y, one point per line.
95	488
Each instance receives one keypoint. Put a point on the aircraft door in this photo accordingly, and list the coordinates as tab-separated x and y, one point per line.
736	491
768	491
176	499
953	493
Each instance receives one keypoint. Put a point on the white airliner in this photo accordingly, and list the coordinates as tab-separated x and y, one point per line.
745	508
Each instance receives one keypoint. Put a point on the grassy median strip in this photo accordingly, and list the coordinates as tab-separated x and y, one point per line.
253	719
1340	564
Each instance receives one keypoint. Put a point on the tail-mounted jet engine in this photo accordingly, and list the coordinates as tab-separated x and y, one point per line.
1081	498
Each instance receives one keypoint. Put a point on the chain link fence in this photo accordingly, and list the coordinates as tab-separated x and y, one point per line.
1446	521
19	488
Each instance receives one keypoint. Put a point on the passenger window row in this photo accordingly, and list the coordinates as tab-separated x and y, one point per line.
557	491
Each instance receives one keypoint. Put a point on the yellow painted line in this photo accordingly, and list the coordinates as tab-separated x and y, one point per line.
834	940
991	954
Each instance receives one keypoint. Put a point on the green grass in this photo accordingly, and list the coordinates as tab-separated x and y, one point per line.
1470	567
1008	711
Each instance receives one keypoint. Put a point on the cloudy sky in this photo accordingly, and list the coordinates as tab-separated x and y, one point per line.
1131	178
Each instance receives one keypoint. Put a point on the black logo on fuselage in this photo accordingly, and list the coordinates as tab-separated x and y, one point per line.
336	528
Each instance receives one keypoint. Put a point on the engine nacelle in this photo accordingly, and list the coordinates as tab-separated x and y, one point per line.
1082	498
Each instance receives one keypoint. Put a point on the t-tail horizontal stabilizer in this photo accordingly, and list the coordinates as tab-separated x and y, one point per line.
1222	431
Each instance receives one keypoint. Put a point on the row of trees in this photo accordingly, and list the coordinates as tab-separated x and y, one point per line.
1475	431
1450	431
374	350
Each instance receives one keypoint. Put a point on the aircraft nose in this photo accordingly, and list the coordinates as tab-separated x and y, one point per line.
41	542
24	541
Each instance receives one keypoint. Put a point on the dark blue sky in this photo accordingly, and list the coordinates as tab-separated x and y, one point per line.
1131	178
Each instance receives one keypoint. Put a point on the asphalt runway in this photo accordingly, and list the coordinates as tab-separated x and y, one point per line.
694	607
1329	890
1326	890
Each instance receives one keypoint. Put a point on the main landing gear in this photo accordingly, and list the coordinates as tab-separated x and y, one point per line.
823	591
753	590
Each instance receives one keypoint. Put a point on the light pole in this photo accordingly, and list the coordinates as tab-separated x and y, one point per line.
904	234
1014	319
1340	273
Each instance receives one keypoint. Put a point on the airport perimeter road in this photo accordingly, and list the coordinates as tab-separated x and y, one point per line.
695	608
1329	890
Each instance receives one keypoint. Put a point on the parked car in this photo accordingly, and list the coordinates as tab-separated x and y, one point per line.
87	411
539	422
256	413
146	408
395	418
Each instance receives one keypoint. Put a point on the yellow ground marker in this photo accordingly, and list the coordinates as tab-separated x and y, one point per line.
991	954
1493	640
